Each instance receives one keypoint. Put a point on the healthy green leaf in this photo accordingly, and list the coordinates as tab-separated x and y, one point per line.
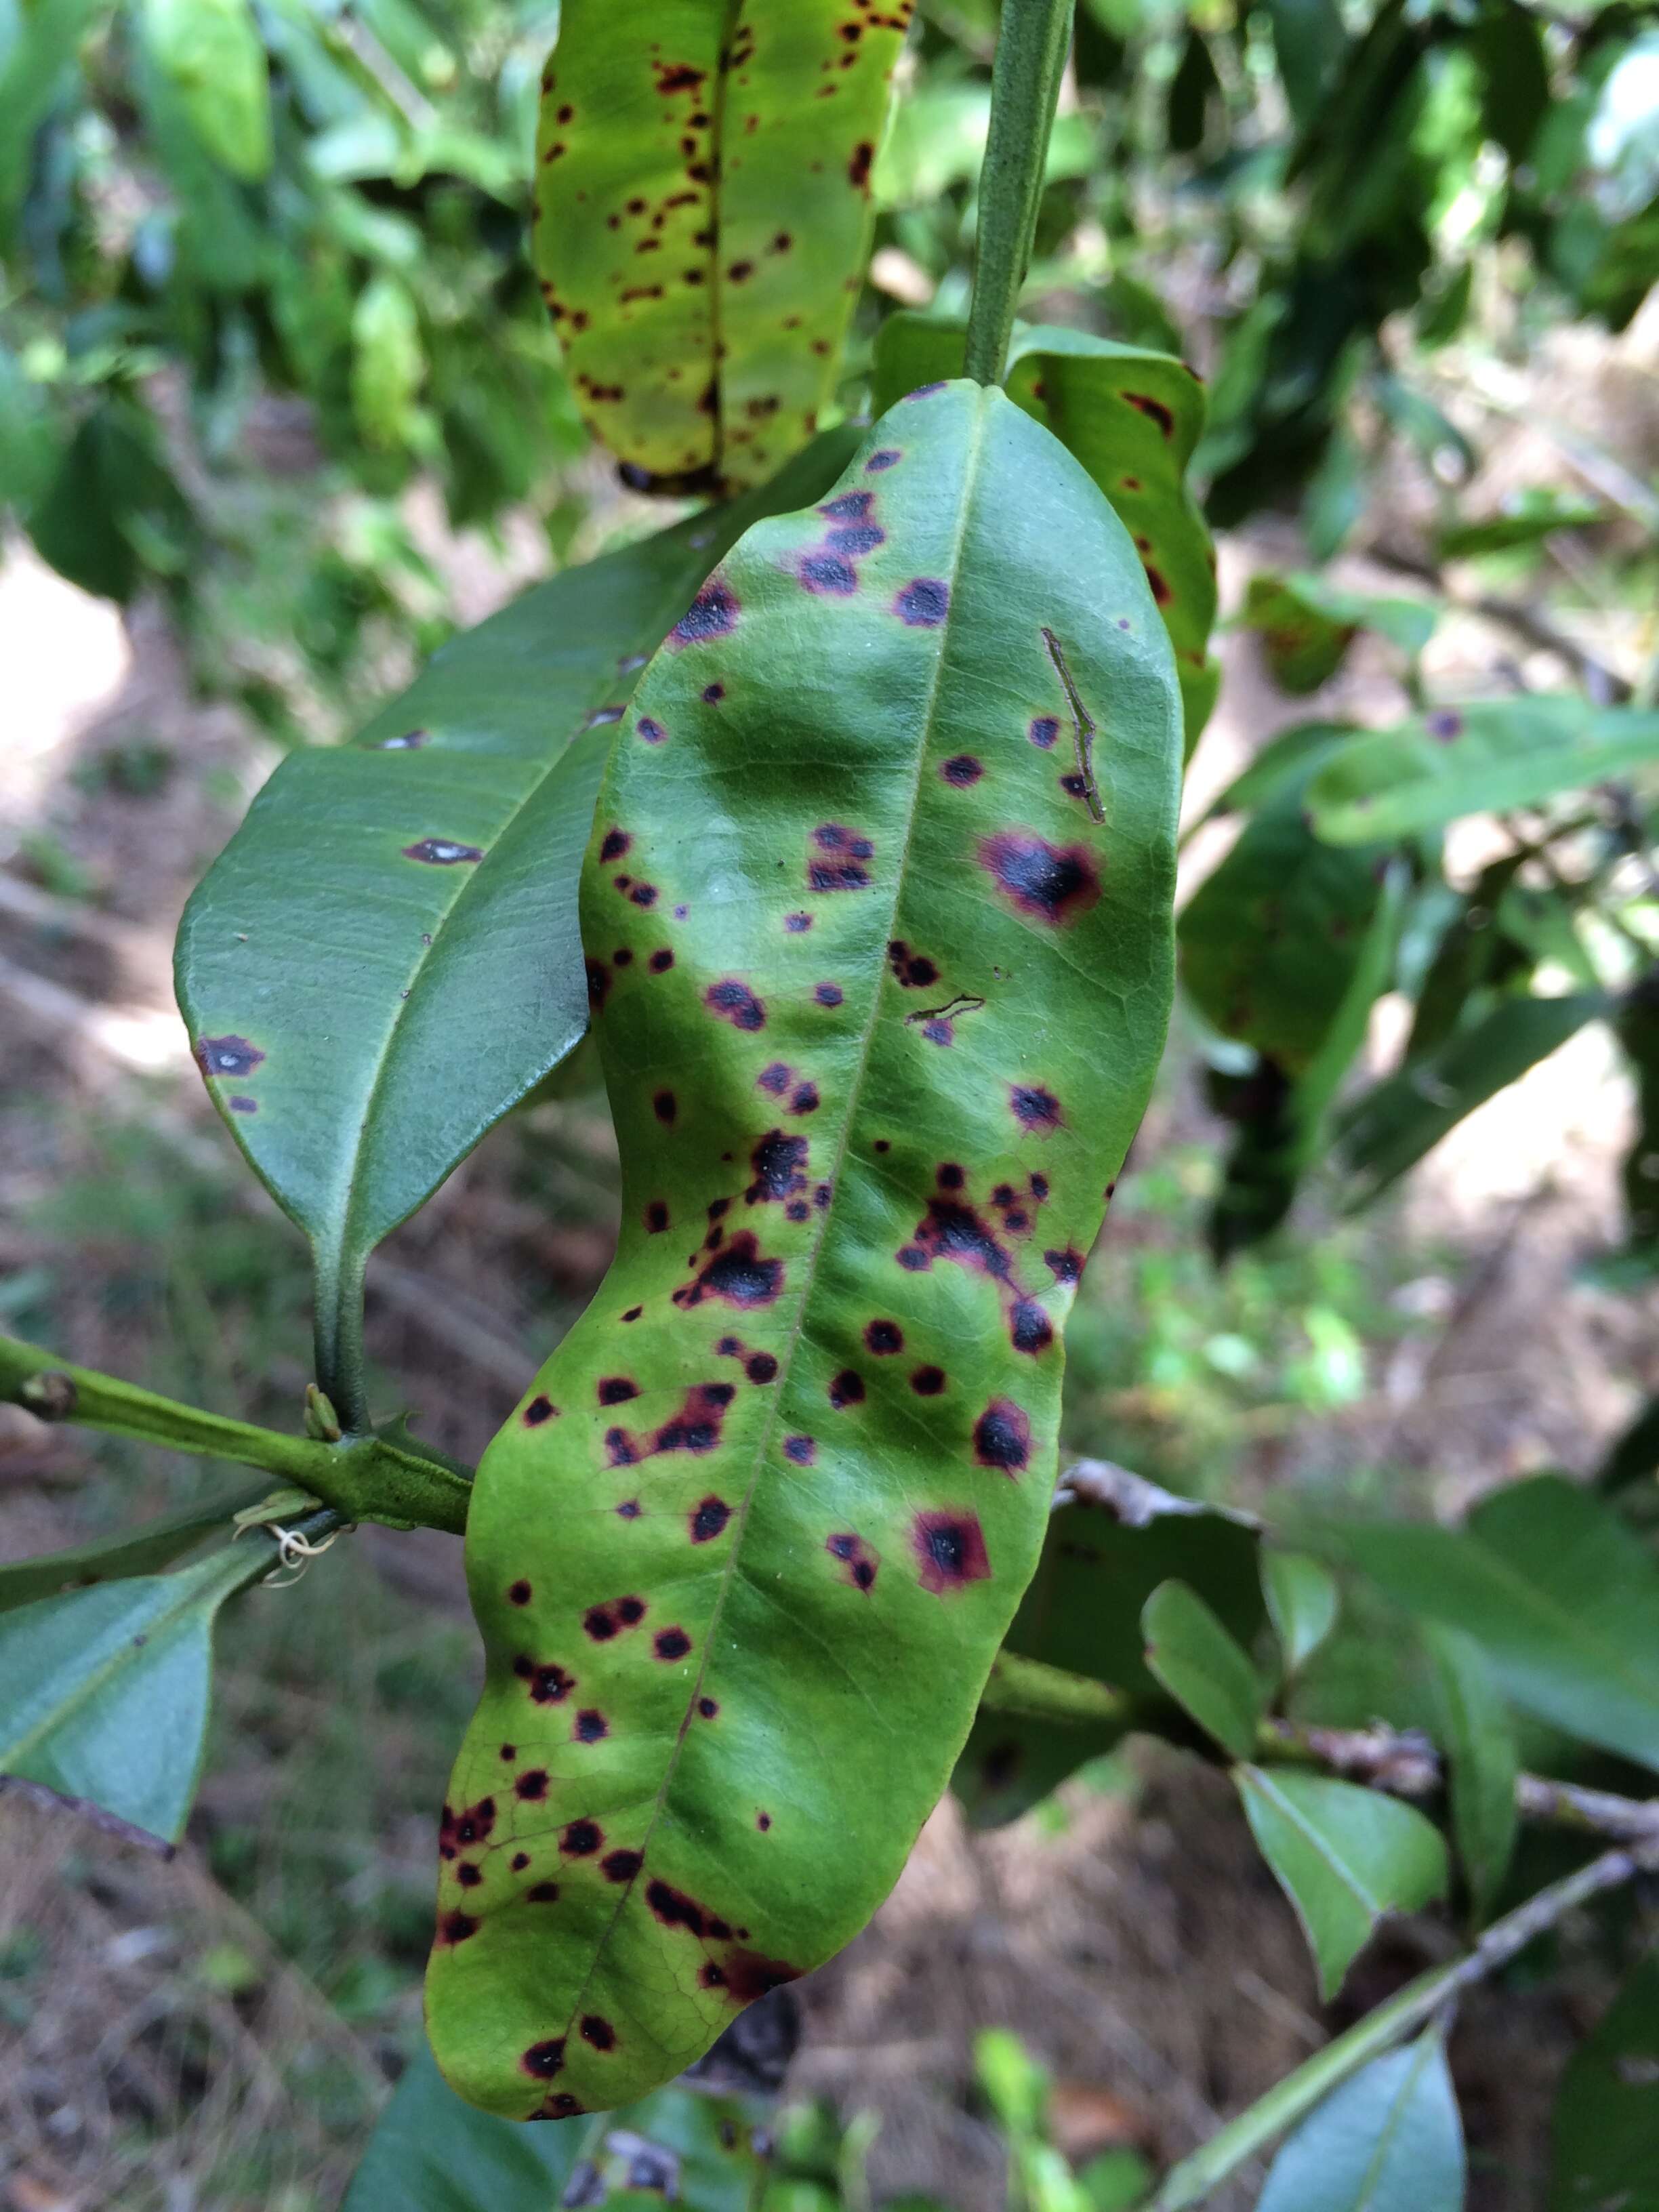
1102	1560
1560	1595
1388	2140
1390	1126
1474	954
1478	1736
1483	758
212	53
134	1552
1271	939
881	1002
1307	625
1303	1600
110	492
1526	520
1201	1667
434	860
1133	417
702	213
1309	41
431	2153
103	1693
1606	2113
1343	1856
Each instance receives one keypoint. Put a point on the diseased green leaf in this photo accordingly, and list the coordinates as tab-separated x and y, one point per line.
1304	1600
1271	937
1343	1856
702	213
1102	1560
134	1552
1133	417
431	2153
1562	1597
1388	2140
1606	2112
1479	1737
1307	625
103	1693
880	1004
1389	1128
434	859
1202	1667
1479	759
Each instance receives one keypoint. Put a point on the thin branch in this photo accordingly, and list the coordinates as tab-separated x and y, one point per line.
1288	2101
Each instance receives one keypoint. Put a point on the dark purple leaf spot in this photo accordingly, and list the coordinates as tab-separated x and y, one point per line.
886	458
847	1389
828	574
849	507
779	1164
1002	1436
797	924
1154	410
1065	1266
581	1839
544	2060
244	1105
672	1644
739	1276
707	1708
761	1367
806	1099
1043	732
962	769
713	613
600	2032
532	1784
227	1055
548	1683
441	852
519	1593
589	1726
665	1106
656	1217
924	603
829	994
950	1547
709	1519
617	1389
455	1928
883	1338
542	1892
616	844
776	1079
661	961
621	1866
1033	1107
1445	725
801	1449
1051	884
734	1002
1030	1328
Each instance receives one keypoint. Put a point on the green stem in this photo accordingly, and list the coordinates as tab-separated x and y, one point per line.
366	1477
338	1332
1039	1692
1031	50
1288	2100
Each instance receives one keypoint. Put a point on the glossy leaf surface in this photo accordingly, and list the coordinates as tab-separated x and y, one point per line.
105	1692
1479	759
1477	1735
1344	1856
432	2153
1132	416
1390	1126
1203	1669
702	213
1101	1562
1560	1595
1389	2140
1607	2114
140	1551
880	1004
434	862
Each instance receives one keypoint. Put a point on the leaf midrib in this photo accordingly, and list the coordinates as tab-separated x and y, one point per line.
810	1274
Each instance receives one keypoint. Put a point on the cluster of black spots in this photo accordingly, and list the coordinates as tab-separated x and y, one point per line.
615	1389
883	1338
598	2032
695	1428
1002	1436
714	613
950	1547
734	1002
614	843
621	1866
541	1408
441	852
963	770
847	1389
544	2060
1050	884
707	1519
1043	731
924	603
927	1381
582	1838
589	1727
656	1217
739	1276
842	854
519	1593
532	1785
548	1683
670	1644
227	1055
953	1230
829	994
801	1449
913	970
665	1106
